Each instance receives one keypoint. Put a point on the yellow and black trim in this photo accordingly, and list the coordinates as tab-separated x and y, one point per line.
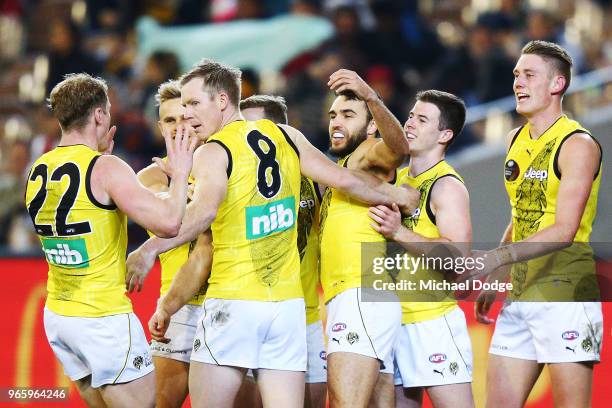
230	162
90	195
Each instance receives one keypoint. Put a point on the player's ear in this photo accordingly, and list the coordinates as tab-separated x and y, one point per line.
557	84
223	100
99	115
446	136
372	128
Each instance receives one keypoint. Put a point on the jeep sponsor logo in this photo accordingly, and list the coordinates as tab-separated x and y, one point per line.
308	203
437	358
536	174
570	335
264	220
338	327
67	253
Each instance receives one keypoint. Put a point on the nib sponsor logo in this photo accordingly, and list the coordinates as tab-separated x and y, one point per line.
66	253
264	220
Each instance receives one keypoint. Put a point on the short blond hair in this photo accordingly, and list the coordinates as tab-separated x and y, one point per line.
167	91
75	98
217	77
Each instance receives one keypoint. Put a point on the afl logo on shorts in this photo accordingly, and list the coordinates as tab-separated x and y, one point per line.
338	327
511	170
437	358
570	335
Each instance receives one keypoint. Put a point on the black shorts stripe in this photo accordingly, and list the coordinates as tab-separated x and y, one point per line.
127	355
204	334
454	342
365	329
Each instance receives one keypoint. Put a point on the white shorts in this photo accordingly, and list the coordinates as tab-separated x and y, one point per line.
366	328
316	370
181	332
434	352
112	349
552	332
252	334
316	367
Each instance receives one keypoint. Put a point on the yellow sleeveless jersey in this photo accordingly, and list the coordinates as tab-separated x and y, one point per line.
423	222
308	246
172	260
532	181
344	227
84	241
254	233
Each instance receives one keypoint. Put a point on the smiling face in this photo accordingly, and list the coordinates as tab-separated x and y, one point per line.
535	84
421	128
202	110
348	125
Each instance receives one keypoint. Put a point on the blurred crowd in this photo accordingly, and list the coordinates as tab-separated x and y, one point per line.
466	47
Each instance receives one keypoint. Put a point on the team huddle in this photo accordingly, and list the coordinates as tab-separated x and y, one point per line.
248	219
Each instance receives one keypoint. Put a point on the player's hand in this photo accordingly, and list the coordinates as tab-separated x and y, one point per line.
158	325
483	306
180	152
138	265
388	220
345	80
410	198
110	140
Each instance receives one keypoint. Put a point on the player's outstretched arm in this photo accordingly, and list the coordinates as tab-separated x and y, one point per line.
186	283
579	162
359	184
113	181
390	152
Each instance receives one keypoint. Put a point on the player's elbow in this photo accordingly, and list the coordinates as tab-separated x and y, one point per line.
169	229
567	233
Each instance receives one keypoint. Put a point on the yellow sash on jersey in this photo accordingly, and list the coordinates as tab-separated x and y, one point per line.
422	222
308	246
255	231
348	243
532	181
83	240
